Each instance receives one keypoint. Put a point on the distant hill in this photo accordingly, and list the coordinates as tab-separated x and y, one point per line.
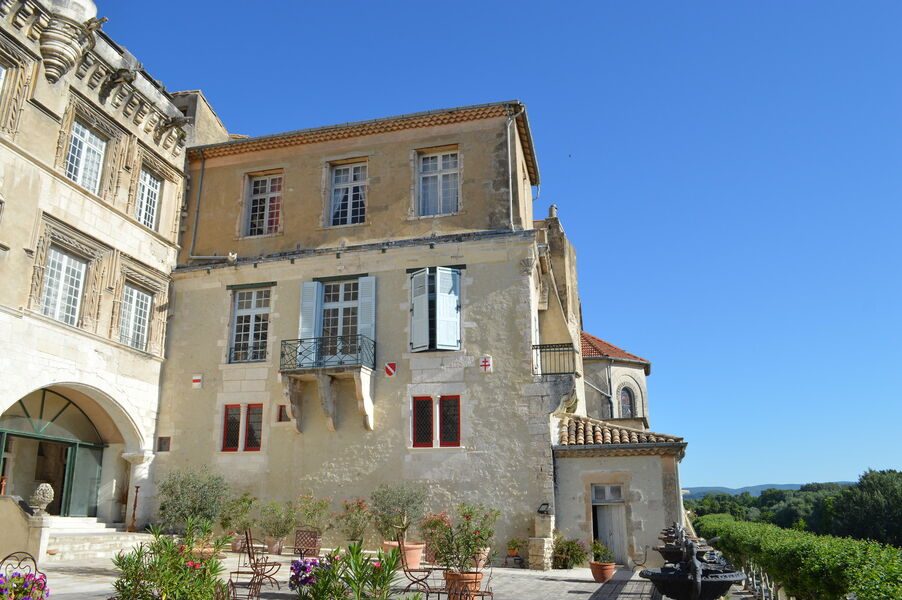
754	490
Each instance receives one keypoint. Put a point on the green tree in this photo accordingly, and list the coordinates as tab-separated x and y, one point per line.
871	509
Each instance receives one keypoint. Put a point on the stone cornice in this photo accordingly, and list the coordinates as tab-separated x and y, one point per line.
677	449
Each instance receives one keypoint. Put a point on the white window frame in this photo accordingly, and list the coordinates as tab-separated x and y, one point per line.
255	350
85	142
440	174
272	203
607	495
150	190
134	317
61	291
334	351
357	182
431	308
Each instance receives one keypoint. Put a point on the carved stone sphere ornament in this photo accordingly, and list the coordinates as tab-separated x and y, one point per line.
40	499
68	35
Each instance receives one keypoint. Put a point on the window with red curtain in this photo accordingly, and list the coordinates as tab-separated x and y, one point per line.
422	422
253	427
449	421
231	427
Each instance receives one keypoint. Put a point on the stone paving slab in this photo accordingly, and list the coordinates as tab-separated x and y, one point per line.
93	580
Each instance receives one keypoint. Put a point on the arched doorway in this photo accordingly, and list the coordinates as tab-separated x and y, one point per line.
49	437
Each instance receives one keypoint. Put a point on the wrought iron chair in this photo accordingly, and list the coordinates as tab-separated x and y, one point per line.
427	580
307	542
257	566
23	563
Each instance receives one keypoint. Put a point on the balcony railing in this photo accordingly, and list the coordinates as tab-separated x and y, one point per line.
554	359
320	352
247	352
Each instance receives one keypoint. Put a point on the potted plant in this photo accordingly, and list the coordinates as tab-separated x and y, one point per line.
313	516
236	518
513	547
602	563
459	546
395	508
277	519
566	554
354	519
430	528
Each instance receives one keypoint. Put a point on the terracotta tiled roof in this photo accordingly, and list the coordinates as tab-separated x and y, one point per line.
385	125
597	347
583	431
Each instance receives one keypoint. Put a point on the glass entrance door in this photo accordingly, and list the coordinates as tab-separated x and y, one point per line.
84	481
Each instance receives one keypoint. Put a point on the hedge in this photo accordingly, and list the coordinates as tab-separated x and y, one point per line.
809	566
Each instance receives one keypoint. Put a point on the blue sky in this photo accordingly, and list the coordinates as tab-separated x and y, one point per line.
729	173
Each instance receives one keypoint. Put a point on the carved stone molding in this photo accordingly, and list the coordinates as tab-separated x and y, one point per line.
326	399
63	42
363	386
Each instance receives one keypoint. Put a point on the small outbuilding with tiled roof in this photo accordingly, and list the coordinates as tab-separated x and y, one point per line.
615	382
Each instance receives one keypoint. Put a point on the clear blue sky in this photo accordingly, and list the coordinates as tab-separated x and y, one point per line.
729	172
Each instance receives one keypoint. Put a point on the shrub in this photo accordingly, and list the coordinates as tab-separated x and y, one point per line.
197	495
396	507
341	577
458	543
810	566
354	518
235	516
170	568
514	544
314	512
566	554
277	519
601	553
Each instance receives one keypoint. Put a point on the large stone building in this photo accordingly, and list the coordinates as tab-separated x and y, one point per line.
319	311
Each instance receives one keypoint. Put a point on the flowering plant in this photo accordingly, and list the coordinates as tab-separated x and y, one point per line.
457	544
352	575
354	518
29	586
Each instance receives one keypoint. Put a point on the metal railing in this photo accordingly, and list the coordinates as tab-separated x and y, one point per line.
337	351
247	352
553	359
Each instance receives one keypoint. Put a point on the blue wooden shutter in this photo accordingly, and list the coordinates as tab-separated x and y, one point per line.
419	310
447	309
366	310
310	326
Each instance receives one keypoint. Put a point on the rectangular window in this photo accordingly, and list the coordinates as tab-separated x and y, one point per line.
164	444
283	415
264	205
148	198
250	325
438	183
231	427
85	159
134	316
422	424
253	427
2	76
449	421
348	204
435	309
339	321
64	280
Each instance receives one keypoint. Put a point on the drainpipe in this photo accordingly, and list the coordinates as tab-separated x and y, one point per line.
200	187
510	169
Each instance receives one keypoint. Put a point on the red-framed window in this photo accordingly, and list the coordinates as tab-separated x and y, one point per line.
253	427
231	427
449	421
422	422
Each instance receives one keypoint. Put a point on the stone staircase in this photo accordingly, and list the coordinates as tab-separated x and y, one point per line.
84	538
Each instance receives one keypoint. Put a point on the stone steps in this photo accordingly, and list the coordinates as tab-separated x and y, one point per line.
83	539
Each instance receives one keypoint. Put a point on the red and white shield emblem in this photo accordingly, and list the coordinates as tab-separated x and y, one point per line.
390	369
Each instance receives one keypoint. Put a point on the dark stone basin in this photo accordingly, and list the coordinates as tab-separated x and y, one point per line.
677	583
674	554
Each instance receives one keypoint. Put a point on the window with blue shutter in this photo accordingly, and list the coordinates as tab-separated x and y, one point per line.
435	309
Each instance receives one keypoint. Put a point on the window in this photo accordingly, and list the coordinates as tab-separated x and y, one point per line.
424	412
85	159
422	422
605	494
438	186
449	421
627	404
148	198
253	427
338	323
231	427
134	316
264	206
164	444
348	205
435	309
64	279
283	416
2	76
250	325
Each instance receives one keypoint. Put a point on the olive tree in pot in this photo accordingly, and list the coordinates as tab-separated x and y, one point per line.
602	563
277	520
236	518
313	521
353	520
395	508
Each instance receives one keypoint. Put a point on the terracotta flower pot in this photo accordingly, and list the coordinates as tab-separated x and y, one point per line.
513	553
237	543
460	585
274	545
481	557
413	552
602	572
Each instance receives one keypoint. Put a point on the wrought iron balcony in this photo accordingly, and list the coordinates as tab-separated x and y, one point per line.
322	352
553	359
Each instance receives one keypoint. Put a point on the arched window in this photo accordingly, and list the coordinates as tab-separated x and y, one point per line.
627	403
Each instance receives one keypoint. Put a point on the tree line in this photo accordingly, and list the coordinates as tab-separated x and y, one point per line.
870	509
